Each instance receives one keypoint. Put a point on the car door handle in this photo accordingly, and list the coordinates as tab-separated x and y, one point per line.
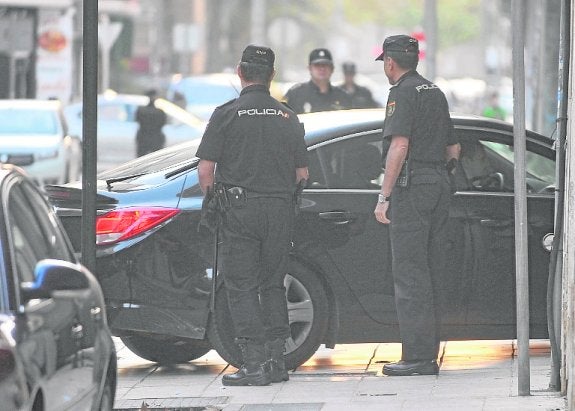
336	217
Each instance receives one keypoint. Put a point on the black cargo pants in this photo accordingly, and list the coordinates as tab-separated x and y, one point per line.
255	251
419	214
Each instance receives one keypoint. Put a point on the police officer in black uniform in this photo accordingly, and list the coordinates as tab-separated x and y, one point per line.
361	96
414	200
317	94
151	120
258	146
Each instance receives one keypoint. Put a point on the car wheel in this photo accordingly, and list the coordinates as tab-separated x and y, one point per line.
308	317
166	350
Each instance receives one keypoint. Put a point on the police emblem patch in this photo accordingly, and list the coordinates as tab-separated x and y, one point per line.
390	109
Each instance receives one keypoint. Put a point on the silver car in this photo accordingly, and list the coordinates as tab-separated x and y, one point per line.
117	126
34	135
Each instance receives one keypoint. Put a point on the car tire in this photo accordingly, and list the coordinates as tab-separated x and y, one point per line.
308	311
166	350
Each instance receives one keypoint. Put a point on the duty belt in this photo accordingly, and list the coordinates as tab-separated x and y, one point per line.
421	164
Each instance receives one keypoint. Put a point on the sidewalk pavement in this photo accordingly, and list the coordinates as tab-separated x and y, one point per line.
474	375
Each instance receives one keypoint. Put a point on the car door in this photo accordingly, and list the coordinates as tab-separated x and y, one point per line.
338	224
57	335
487	165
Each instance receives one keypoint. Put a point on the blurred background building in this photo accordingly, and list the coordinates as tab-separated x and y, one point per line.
466	44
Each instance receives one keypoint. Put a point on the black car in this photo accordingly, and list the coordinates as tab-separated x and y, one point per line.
56	350
155	263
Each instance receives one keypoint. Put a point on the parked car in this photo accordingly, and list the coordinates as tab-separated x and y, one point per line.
117	126
155	263
56	350
34	135
203	93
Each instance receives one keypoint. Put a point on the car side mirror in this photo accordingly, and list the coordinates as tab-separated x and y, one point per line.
54	275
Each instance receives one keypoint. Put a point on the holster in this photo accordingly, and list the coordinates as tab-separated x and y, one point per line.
212	210
235	197
404	174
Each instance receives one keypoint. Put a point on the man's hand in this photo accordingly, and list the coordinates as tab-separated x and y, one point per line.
381	212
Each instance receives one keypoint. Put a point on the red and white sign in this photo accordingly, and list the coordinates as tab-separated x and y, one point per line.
54	54
419	35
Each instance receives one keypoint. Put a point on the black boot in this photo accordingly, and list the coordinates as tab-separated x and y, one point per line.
254	371
275	350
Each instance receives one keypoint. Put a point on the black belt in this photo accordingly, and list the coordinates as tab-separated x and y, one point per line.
429	165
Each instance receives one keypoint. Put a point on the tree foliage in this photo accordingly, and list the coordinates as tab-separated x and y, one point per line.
458	20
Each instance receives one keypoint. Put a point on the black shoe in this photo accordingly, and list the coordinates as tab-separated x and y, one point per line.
417	367
244	377
278	371
255	370
275	352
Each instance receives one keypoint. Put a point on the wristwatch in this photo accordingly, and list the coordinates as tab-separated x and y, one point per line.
382	199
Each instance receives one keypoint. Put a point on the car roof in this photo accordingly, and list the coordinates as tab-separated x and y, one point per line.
30	104
139	100
360	120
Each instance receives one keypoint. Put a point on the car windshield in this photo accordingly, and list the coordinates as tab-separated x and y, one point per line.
28	121
153	162
537	166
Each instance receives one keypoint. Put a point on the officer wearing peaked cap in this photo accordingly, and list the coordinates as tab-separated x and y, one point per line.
258	146
317	94
414	201
361	96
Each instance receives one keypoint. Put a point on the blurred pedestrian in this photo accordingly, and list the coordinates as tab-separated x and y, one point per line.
253	154
317	94
179	100
414	201
361	96
151	119
493	108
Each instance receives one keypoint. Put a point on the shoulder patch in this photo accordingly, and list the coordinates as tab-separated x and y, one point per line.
390	109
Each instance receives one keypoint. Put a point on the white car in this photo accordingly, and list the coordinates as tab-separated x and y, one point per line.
34	135
117	126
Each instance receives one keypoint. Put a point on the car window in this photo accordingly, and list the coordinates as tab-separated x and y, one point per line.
353	162
489	166
34	230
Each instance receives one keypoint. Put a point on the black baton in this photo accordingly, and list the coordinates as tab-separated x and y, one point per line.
215	267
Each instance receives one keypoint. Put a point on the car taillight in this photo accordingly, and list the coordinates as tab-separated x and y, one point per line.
122	224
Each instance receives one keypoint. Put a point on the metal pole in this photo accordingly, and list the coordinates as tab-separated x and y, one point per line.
521	239
430	29
89	132
554	284
257	35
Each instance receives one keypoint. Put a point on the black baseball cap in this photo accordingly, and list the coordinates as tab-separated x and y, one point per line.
258	55
400	43
348	67
318	56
